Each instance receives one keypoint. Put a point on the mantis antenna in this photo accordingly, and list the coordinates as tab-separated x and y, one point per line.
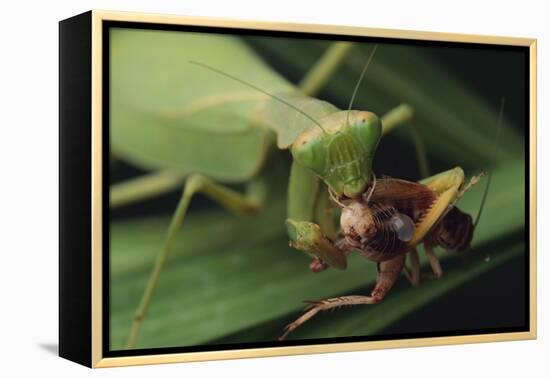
360	80
260	90
490	174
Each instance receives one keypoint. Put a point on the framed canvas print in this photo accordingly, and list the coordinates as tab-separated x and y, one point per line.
234	189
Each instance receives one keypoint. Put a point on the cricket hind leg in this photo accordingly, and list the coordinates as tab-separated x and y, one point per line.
388	273
433	260
238	203
413	274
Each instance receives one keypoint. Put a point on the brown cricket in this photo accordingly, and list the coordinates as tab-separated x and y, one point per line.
386	224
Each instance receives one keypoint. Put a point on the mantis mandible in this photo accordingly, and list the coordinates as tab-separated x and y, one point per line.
333	150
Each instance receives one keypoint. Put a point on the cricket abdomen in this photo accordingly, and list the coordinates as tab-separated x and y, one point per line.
455	231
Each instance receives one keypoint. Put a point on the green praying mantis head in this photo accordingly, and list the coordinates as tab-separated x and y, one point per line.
341	150
340	147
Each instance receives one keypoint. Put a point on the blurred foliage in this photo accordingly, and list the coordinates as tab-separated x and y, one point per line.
235	280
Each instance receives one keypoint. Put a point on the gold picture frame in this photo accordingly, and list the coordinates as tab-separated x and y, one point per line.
90	328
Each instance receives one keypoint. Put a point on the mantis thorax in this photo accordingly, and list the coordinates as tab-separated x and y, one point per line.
342	153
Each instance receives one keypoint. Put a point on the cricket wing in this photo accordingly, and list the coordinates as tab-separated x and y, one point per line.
407	197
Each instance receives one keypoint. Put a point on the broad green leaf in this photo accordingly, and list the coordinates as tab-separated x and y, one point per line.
402	300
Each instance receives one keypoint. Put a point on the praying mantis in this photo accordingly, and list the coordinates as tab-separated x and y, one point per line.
246	123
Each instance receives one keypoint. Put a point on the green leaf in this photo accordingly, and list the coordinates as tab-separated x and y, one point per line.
371	320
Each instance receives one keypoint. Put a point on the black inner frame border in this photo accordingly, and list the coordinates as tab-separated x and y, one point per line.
106	25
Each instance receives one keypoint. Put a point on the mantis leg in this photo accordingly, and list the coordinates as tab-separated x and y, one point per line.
307	237
143	187
304	193
242	204
388	273
404	115
321	72
449	187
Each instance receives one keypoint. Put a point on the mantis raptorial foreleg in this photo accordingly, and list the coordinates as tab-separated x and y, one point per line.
307	236
303	194
242	204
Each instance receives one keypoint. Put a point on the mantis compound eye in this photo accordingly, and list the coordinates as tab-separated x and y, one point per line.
403	226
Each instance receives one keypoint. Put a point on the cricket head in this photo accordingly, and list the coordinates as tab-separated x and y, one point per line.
342	151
